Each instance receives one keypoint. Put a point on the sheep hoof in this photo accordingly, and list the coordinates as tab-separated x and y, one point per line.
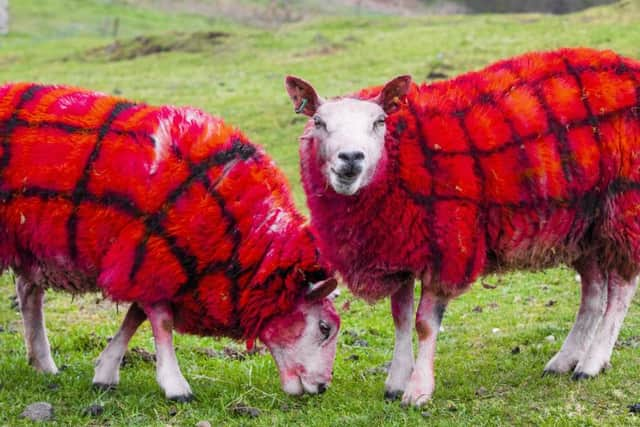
104	386
183	398
393	395
579	376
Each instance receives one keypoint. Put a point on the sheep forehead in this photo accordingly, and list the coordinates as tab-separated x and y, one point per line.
349	114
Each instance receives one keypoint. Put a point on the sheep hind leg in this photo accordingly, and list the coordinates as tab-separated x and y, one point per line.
107	371
402	363
596	359
592	306
31	300
167	370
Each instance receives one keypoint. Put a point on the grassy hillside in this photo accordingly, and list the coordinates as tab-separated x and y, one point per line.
481	379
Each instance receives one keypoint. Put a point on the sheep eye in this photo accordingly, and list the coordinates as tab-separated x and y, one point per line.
319	123
325	329
379	122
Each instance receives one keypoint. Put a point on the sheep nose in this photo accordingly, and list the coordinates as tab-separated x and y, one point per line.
322	387
351	157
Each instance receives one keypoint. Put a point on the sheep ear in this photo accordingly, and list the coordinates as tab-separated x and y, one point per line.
304	97
320	290
392	93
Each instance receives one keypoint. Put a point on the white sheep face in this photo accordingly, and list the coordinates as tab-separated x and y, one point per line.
303	345
350	137
350	132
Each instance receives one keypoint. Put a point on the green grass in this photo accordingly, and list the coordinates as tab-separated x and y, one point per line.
241	80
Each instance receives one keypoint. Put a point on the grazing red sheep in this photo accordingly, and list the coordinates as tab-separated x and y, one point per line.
169	209
529	163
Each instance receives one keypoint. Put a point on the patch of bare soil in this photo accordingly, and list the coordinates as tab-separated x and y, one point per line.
121	50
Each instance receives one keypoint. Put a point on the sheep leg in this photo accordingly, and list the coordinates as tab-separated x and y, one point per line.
402	363
168	372
31	300
592	306
107	372
596	359
428	318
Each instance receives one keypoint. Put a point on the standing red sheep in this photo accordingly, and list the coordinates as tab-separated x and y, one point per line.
530	163
167	208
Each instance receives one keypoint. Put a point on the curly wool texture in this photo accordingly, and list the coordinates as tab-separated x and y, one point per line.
528	163
149	204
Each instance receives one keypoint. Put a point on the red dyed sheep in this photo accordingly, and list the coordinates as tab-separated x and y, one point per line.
167	208
529	163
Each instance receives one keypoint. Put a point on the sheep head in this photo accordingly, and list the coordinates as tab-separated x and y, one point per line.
303	342
350	132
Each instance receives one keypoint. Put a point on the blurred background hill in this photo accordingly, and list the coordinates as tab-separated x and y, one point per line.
270	12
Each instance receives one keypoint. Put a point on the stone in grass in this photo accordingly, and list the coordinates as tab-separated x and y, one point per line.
39	411
245	410
635	408
203	424
94	410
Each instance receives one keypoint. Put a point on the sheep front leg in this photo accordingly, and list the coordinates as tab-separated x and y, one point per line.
107	372
402	363
168	372
428	318
31	300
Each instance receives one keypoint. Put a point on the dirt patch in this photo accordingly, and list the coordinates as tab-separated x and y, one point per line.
122	50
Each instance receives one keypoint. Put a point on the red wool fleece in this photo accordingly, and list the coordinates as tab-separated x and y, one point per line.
149	204
530	162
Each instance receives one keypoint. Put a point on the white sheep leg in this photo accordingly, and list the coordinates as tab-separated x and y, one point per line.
402	363
31	300
596	359
107	371
592	305
167	370
428	318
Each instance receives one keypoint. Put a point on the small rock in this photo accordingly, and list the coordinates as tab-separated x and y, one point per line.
635	408
353	357
425	414
481	391
488	286
550	303
53	386
550	338
361	343
173	411
39	411
477	309
94	410
244	410
515	350
495	330
203	424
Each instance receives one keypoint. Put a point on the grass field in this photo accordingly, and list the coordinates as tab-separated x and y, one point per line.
489	359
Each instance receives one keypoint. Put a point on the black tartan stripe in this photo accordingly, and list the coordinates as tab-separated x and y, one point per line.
80	191
429	203
198	171
478	173
12	124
